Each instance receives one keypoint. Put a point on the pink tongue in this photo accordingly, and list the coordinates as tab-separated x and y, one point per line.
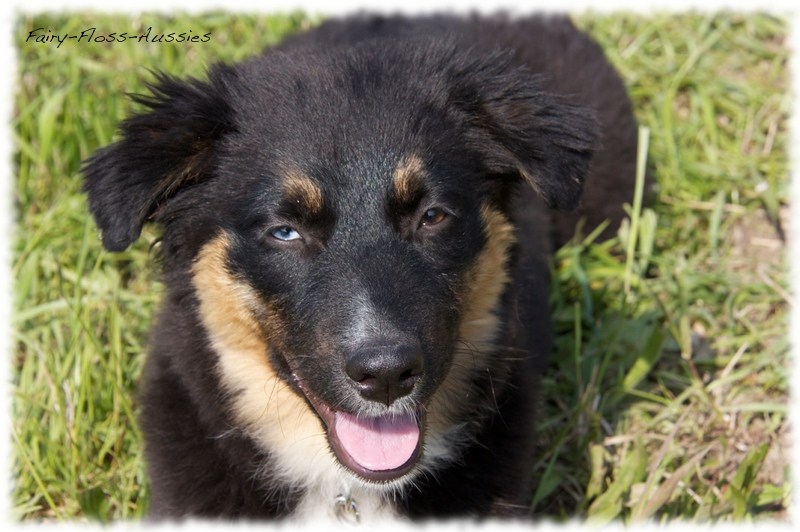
378	444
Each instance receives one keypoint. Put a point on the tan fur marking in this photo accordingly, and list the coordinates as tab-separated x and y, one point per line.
486	282
300	188
407	177
266	408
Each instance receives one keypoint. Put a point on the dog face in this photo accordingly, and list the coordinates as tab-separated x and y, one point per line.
342	221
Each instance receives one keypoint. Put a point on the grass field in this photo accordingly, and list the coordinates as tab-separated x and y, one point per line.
667	396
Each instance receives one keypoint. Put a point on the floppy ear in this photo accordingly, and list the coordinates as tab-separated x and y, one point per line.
523	130
172	144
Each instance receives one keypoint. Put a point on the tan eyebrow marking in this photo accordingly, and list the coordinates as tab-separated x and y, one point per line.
408	178
300	188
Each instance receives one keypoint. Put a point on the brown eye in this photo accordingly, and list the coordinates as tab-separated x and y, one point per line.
432	217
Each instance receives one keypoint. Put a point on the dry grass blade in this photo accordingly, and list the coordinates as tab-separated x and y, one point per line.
665	490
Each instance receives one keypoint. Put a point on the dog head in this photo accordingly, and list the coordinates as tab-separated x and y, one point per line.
342	218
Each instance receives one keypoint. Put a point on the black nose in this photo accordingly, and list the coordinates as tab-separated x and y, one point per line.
385	372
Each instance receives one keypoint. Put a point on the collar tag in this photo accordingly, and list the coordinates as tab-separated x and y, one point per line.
346	511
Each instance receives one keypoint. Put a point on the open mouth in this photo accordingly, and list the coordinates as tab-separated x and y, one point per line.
377	448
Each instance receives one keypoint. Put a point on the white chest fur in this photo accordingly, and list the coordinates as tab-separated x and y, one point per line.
340	498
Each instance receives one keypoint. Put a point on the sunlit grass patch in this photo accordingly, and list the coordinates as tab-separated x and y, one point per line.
669	400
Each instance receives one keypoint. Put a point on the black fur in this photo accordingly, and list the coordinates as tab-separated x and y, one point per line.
494	109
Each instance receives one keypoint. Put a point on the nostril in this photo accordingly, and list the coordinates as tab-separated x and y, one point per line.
409	375
356	372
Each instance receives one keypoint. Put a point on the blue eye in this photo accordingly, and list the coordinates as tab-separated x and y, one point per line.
285	234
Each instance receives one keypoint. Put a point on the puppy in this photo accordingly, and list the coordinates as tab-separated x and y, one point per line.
356	228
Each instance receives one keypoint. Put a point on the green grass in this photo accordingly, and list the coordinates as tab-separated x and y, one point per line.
667	395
